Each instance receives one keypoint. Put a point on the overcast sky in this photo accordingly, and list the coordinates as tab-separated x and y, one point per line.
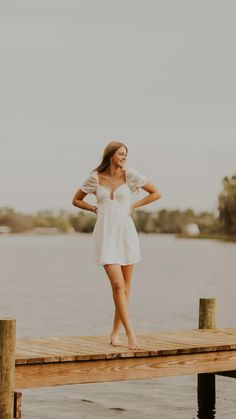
156	75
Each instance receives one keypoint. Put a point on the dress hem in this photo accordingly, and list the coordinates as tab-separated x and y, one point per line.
119	263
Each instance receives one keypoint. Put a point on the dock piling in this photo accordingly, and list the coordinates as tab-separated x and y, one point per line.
207	313
7	366
206	382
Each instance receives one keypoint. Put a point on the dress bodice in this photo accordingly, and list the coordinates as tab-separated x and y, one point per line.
121	194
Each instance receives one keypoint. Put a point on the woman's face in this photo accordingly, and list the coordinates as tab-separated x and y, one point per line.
120	156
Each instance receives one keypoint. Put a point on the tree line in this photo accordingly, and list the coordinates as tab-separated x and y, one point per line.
162	221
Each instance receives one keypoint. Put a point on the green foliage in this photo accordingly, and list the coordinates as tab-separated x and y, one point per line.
17	222
163	221
82	222
227	205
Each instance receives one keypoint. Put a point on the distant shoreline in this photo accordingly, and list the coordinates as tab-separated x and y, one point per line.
220	237
178	235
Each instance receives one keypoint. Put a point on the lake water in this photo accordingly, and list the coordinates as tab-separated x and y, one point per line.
49	286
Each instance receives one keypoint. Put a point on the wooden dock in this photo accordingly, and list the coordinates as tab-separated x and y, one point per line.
54	361
89	359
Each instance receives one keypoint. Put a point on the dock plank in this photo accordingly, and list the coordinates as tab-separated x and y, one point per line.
63	373
86	359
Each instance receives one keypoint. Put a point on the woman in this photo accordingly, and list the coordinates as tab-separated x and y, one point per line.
116	242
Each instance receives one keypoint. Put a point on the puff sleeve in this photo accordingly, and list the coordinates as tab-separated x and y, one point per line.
135	179
90	184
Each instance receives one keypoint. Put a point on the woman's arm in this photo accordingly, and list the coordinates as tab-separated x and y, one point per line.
77	201
154	195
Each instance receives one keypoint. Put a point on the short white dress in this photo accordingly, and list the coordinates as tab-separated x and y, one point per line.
115	238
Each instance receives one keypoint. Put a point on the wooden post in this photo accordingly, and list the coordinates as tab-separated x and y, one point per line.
7	366
206	382
17	404
207	313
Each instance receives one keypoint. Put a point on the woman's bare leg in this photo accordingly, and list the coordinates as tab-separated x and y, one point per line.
115	275
127	271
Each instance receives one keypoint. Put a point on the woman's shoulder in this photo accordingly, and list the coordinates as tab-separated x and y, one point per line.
135	179
130	170
93	174
90	183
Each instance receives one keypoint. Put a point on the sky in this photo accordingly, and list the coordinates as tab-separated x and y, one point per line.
156	75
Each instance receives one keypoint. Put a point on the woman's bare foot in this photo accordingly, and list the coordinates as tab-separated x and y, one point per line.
115	341
132	342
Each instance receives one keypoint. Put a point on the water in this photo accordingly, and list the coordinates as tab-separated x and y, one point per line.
50	288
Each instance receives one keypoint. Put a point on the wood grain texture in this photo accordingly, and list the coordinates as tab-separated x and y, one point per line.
17	405
207	313
55	374
88	359
84	348
7	366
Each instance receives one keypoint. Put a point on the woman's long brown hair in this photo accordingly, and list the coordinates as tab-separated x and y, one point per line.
108	152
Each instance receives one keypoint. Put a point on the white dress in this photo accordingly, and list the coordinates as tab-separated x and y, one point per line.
115	238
